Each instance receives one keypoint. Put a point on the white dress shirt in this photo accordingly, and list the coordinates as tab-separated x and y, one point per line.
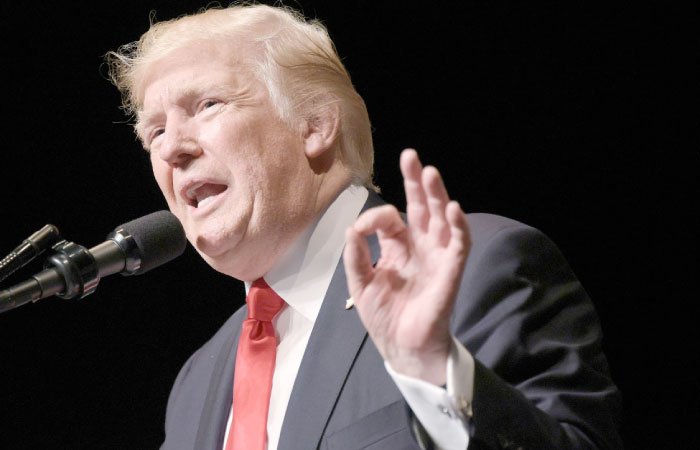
302	277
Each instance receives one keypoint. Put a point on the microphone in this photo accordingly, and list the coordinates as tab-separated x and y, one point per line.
131	249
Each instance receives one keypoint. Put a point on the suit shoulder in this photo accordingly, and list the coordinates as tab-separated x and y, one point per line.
499	242
213	346
205	356
484	226
487	221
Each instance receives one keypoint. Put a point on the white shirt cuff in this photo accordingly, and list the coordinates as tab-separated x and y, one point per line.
444	413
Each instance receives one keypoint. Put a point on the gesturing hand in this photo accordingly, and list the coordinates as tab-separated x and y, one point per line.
405	301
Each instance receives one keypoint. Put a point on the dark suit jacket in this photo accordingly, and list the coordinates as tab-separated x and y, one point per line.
541	379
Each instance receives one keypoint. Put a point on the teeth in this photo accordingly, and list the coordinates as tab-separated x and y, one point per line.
206	200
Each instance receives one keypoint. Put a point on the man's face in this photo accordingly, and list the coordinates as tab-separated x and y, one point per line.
235	175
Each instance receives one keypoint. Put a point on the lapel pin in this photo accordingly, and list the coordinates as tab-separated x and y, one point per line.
349	303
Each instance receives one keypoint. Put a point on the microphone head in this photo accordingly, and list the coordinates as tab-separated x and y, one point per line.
150	241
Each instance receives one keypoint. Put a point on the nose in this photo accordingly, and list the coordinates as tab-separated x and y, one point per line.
179	143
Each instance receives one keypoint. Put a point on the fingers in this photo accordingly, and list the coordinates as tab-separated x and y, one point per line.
429	208
357	261
426	198
437	202
416	203
460	239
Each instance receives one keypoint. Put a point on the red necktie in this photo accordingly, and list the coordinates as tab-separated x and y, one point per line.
255	363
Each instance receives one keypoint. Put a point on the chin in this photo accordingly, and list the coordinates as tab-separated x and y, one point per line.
223	255
240	268
212	245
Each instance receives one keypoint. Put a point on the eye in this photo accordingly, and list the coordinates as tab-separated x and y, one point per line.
155	133
206	104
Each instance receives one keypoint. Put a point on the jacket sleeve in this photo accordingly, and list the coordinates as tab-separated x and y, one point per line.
541	380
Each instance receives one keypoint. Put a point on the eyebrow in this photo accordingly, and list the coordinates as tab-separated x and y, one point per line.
187	91
180	92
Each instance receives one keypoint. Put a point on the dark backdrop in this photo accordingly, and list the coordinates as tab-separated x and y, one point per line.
557	114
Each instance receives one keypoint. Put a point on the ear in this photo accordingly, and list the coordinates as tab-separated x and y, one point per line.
321	130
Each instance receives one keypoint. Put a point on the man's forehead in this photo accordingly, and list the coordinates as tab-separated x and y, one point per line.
195	62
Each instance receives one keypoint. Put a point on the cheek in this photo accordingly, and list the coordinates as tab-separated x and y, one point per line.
163	176
222	133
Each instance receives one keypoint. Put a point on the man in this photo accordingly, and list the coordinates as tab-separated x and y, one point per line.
479	334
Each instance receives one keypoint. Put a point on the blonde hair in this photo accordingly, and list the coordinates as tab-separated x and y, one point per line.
299	66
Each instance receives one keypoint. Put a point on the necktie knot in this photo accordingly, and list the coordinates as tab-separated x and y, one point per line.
263	302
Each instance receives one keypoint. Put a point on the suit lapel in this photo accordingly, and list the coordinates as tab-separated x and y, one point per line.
212	423
337	336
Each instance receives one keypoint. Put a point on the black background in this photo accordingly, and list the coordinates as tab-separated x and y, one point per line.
558	114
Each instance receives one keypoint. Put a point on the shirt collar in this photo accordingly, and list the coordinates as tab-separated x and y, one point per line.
304	272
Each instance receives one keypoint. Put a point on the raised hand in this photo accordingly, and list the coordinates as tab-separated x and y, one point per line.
405	301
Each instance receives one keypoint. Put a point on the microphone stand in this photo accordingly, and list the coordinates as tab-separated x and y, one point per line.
29	249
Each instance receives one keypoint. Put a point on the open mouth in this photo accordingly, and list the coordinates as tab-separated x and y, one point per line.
199	194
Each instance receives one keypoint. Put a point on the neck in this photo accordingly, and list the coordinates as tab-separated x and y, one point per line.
329	185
